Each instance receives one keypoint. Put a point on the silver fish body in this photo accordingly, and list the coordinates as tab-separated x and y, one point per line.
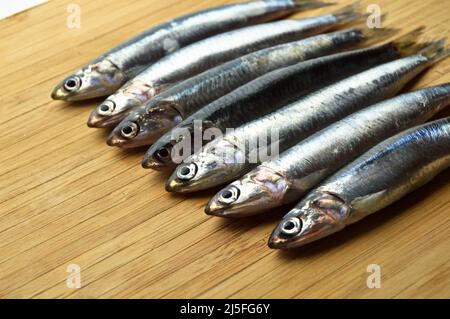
300	168
109	71
164	111
270	92
373	181
203	55
228	158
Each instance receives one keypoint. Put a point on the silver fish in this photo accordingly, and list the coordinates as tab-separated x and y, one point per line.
298	169
373	181
108	72
230	157
203	55
264	95
275	89
269	92
167	109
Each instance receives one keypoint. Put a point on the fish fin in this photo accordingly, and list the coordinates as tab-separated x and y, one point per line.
407	44
436	51
373	35
378	34
311	4
349	13
363	25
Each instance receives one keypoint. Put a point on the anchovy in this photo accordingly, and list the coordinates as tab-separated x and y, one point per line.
230	157
271	91
203	55
383	175
108	72
159	115
298	169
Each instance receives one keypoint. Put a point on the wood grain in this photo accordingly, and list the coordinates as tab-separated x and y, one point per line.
67	198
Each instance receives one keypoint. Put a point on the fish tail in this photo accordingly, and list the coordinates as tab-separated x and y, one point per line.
350	13
407	44
379	34
436	51
374	35
311	4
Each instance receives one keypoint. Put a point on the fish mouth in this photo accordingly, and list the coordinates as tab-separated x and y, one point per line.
174	186
214	208
96	120
276	242
116	140
151	163
59	94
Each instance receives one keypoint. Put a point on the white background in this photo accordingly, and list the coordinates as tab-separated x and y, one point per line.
10	7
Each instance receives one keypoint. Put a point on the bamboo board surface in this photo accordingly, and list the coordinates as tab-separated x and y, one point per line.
67	198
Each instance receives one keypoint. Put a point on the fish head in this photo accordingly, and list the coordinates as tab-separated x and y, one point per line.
144	126
257	191
125	133
160	155
118	105
318	215
174	146
217	162
95	80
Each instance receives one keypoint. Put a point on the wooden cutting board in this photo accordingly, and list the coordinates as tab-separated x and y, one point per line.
67	200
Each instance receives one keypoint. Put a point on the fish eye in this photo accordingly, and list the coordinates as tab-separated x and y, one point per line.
229	195
73	83
162	154
106	108
130	130
291	227
186	172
